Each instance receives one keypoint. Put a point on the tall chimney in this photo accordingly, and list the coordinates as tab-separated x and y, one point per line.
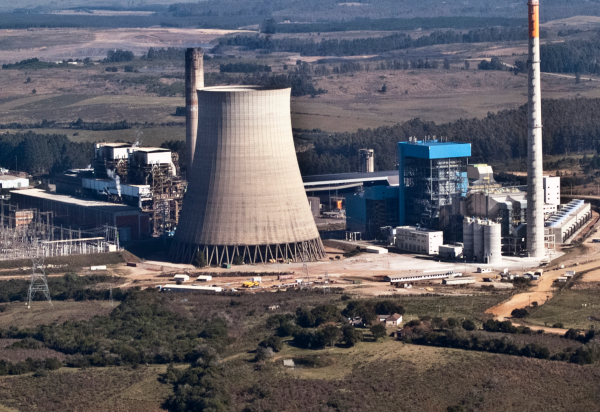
194	81
535	186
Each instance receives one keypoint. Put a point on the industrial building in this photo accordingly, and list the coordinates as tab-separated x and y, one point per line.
75	213
147	178
372	208
13	182
568	220
432	174
482	241
418	240
246	148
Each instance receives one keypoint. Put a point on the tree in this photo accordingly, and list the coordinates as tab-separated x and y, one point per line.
238	260
351	335
273	342
331	334
453	323
305	318
446	64
384	88
199	259
519	313
378	331
467	65
388	307
28	80
268	26
34	91
468	324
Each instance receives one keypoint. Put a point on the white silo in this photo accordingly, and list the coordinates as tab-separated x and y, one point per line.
468	248
492	233
245	196
478	241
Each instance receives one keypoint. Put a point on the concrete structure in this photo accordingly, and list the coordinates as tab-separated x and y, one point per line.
551	190
194	81
13	182
371	209
463	280
420	277
432	174
482	241
450	251
418	240
366	161
190	288
481	177
535	184
75	213
315	205
568	220
245	196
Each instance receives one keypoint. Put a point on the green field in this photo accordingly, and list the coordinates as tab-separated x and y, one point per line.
572	308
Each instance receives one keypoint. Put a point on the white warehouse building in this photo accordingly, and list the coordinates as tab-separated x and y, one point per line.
568	220
418	240
13	182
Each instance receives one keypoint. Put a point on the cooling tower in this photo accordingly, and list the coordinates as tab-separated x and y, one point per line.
194	81
245	195
535	185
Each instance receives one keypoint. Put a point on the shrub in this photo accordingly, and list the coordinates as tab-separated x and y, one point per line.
468	325
453	323
199	260
238	260
128	69
558	325
519	313
272	342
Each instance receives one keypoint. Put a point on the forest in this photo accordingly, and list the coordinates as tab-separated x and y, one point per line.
579	56
40	154
372	45
569	126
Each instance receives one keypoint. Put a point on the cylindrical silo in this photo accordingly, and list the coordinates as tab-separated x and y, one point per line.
478	241
468	248
492	233
194	81
245	195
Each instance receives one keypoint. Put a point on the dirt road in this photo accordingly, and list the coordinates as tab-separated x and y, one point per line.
540	292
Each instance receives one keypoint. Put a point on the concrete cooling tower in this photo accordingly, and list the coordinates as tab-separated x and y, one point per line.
245	195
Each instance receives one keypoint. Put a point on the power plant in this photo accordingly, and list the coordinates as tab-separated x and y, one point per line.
245	199
535	186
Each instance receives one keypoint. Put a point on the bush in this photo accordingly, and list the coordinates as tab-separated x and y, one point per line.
558	325
238	260
469	325
272	342
519	313
453	323
128	69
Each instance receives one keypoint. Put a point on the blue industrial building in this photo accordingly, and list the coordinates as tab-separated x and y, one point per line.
431	173
372	208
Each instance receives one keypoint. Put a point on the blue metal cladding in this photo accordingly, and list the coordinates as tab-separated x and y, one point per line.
426	150
434	150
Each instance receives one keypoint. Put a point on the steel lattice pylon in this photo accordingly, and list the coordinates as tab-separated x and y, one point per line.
39	281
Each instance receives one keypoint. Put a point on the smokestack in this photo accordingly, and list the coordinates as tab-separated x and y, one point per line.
535	186
194	81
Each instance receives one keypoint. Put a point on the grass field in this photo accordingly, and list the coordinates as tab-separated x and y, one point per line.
42	313
572	308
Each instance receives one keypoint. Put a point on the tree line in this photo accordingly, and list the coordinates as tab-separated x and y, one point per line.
244	68
569	126
579	56
372	45
40	154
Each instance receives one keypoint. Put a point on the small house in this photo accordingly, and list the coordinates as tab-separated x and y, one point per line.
382	318
181	278
204	278
393	320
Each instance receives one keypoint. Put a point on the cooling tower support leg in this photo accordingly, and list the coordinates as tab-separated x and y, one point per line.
218	254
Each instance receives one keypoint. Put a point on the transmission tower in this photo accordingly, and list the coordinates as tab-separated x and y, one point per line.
39	281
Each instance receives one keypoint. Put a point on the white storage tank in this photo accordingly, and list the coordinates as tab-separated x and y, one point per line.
478	241
468	248
492	243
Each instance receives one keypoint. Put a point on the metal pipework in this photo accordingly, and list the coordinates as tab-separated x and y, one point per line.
535	188
194	81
